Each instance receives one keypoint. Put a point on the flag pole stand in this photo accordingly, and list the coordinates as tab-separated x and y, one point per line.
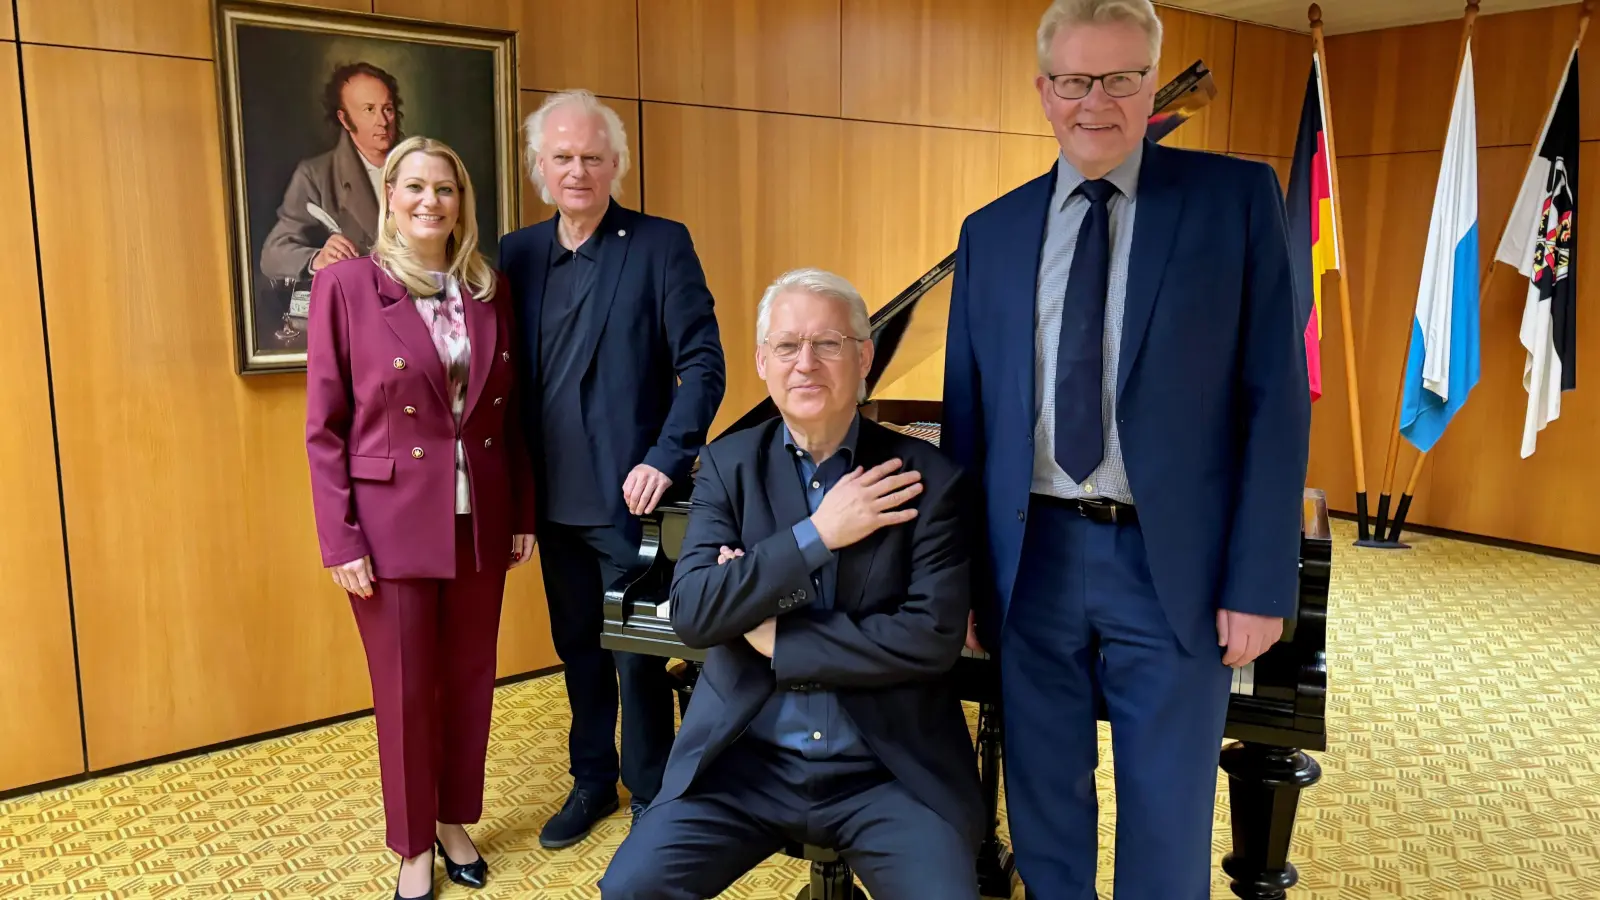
1391	539
1352	388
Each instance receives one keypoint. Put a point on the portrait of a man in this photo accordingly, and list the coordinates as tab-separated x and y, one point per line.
330	209
312	103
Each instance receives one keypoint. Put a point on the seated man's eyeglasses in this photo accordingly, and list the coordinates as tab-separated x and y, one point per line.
1116	84
785	345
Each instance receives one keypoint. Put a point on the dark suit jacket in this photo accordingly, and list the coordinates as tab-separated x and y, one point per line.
1212	400
335	181
897	627
381	438
656	373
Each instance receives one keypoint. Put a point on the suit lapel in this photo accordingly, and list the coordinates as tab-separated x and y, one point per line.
1154	229
403	319
1020	261
482	333
782	482
855	561
535	269
615	240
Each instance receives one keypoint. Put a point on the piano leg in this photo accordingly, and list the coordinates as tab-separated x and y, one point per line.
831	880
1264	785
995	865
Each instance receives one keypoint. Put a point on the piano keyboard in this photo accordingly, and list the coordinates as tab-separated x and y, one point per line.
1244	678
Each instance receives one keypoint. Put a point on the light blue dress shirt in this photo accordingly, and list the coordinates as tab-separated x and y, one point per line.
1109	481
812	722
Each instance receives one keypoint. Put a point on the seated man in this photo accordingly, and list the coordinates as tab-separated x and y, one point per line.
826	570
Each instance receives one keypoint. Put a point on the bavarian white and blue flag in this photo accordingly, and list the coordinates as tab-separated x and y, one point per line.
1442	367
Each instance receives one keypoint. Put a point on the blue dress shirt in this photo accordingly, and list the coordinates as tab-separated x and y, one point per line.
812	722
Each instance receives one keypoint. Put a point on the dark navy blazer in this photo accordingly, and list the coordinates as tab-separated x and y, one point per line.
655	373
1212	399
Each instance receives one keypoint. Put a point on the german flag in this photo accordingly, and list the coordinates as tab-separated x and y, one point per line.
1310	207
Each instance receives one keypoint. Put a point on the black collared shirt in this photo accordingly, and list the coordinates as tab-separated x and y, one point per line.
572	490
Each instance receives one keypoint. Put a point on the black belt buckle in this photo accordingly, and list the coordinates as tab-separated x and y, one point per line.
1098	510
806	687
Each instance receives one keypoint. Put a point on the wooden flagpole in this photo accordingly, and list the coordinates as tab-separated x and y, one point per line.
1483	294
1470	19
1352	389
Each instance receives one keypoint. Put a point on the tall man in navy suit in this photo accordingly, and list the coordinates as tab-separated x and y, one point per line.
624	373
1125	371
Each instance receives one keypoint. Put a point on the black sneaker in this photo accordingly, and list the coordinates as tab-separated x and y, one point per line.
584	807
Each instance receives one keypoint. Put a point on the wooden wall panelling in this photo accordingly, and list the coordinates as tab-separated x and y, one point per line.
38	682
535	209
1519	58
8	29
203	612
591	44
173	27
923	62
1187	37
761	194
906	191
776	57
1391	89
1020	110
1270	68
502	14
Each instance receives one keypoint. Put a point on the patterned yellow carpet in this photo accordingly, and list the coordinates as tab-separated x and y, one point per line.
1464	762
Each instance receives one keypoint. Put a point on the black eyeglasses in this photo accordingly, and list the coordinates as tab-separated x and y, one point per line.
786	345
1116	84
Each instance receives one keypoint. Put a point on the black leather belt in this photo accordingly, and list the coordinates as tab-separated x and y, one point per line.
1106	511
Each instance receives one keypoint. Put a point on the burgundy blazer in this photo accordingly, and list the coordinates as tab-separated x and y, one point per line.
380	436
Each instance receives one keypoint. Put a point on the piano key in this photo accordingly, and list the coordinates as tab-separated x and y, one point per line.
1244	680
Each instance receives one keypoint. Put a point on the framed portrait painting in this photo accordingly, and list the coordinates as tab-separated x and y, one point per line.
312	100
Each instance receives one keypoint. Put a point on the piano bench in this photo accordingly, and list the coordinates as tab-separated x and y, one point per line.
831	878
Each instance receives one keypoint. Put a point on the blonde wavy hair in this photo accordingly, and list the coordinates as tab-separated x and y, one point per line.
465	263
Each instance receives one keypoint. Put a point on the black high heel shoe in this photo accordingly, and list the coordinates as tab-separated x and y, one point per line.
474	874
429	894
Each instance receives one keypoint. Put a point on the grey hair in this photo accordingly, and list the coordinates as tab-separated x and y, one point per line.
822	283
1085	12
616	135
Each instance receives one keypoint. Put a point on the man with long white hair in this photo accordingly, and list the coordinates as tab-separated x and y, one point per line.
1125	372
619	349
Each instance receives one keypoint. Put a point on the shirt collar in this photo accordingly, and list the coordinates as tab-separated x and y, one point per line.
1125	176
589	250
846	446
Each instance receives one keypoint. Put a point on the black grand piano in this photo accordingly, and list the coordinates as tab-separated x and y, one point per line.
1276	710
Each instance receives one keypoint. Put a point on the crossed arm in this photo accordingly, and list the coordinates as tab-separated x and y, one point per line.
919	636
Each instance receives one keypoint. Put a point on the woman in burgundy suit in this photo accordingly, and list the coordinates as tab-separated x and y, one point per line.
422	494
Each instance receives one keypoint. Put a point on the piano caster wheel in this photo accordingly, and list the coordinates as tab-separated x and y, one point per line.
831	881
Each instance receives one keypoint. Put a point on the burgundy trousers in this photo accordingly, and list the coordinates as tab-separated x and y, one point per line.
431	654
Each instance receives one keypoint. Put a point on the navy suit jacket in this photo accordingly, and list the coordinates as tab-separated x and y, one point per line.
887	646
656	373
1212	398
